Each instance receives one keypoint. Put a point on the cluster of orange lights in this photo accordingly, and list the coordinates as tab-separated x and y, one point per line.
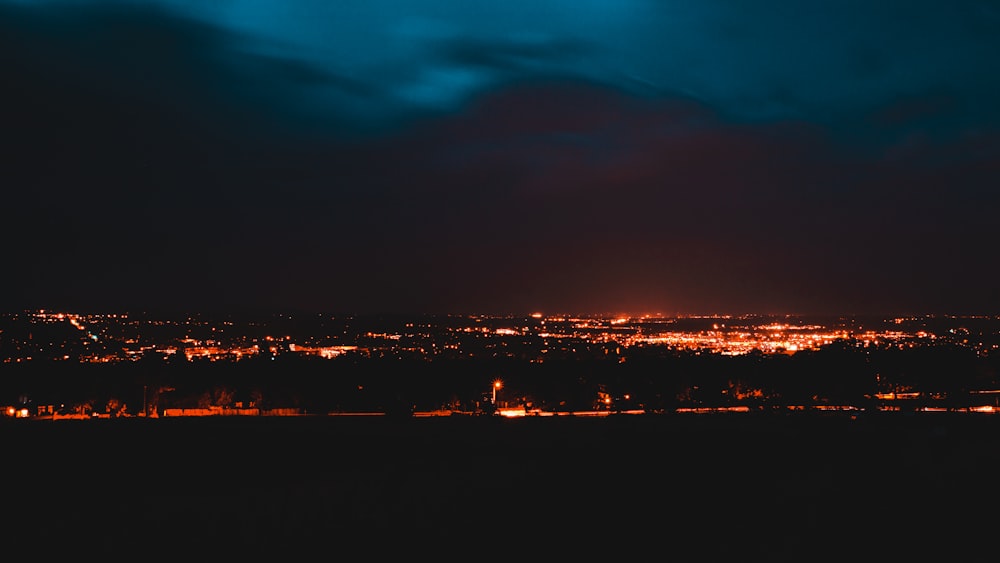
17	413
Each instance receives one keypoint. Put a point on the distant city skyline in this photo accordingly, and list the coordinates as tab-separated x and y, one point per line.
128	337
61	364
428	156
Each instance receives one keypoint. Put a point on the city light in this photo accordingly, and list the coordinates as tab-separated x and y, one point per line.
120	338
606	340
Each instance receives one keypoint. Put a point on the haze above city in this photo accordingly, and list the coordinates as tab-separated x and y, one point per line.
425	156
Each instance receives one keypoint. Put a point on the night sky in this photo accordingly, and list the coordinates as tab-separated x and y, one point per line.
474	156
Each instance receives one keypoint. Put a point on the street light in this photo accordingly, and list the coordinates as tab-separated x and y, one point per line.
496	385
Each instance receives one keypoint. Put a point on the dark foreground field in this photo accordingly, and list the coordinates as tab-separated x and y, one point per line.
672	488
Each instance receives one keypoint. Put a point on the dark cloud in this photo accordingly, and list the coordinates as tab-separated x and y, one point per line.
358	64
679	157
515	56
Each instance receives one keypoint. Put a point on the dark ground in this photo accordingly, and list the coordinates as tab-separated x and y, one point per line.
664	487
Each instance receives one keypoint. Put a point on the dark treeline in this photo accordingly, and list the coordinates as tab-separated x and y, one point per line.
648	378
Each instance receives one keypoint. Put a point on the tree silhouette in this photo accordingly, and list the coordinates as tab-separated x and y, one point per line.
217	396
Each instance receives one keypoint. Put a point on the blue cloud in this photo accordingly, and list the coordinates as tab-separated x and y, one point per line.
374	62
